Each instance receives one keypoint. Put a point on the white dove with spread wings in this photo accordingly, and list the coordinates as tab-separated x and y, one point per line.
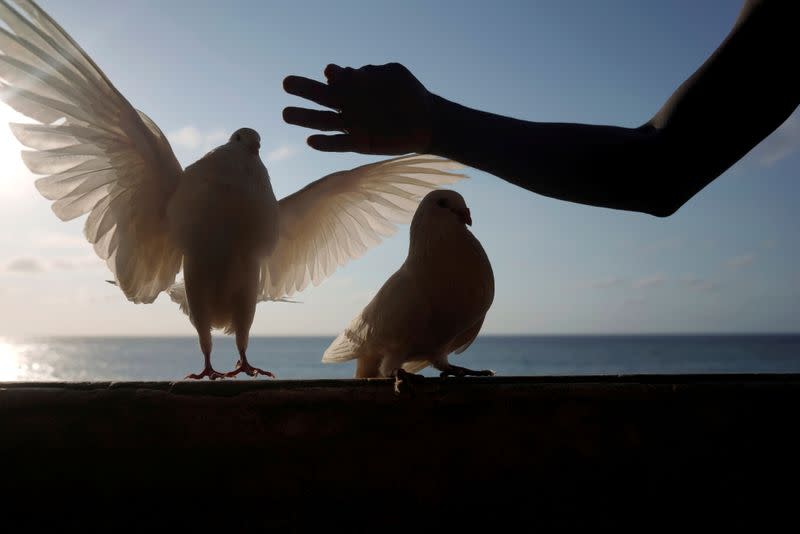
217	220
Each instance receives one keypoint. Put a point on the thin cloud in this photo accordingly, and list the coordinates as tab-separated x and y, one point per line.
77	263
188	137
604	283
649	282
699	284
740	261
670	243
58	240
193	138
26	265
36	265
781	143
636	301
280	153
706	285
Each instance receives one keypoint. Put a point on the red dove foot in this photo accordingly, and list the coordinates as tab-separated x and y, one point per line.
455	370
208	371
249	370
403	381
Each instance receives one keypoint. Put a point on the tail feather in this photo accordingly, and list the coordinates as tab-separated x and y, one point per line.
346	346
341	350
177	293
415	366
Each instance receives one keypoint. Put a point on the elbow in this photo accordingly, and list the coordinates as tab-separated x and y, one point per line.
664	197
674	174
669	194
662	210
653	193
672	188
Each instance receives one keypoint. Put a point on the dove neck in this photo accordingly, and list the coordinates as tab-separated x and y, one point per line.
429	241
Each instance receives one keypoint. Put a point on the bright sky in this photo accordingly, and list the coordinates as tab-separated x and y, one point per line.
726	262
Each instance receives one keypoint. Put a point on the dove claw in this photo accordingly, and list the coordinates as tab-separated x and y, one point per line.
249	370
403	381
459	372
207	372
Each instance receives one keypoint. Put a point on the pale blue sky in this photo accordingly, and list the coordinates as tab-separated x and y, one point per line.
726	262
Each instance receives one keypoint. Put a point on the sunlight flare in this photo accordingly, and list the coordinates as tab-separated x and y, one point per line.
10	368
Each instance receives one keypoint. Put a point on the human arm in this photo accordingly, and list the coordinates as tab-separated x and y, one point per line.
737	97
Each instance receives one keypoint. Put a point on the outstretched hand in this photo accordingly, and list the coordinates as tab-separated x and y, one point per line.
379	110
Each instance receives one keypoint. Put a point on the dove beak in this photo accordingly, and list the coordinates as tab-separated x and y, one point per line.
464	215
256	148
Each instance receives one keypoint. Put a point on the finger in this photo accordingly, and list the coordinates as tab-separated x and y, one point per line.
333	71
310	89
326	121
339	76
332	143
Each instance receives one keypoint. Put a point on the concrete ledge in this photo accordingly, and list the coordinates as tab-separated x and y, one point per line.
544	450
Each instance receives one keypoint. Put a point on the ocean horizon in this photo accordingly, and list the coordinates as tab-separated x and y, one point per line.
169	358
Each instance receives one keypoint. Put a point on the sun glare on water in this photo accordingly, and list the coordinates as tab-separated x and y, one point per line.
27	361
10	368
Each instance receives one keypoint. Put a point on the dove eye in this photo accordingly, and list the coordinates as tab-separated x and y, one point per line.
442	203
238	137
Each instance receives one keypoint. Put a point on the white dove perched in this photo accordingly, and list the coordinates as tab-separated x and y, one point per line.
218	219
433	305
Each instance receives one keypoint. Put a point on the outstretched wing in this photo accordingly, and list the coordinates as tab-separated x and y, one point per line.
341	216
100	155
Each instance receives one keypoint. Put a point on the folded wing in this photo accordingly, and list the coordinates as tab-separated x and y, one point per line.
99	155
341	216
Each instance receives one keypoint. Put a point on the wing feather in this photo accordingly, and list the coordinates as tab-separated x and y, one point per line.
97	154
341	216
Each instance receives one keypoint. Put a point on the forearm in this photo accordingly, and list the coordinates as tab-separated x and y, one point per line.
745	90
604	166
740	95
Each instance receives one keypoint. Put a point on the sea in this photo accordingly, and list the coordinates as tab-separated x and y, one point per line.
80	359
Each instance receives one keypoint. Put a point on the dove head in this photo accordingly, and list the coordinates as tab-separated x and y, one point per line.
444	207
248	139
440	213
